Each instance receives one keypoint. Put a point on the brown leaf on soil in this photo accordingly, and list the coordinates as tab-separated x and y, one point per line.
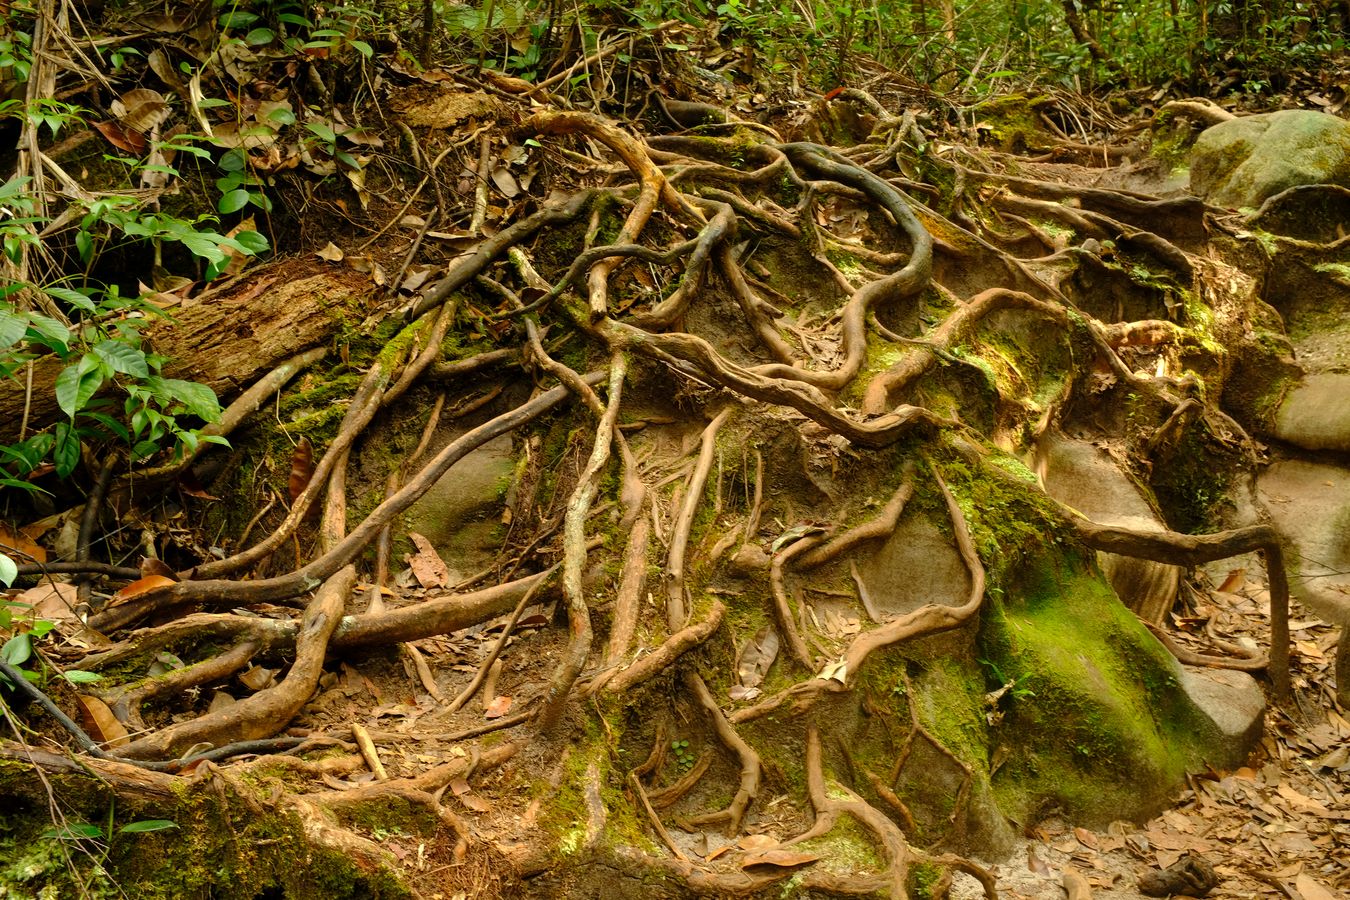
142	586
1233	581
51	601
427	565
1036	864
476	803
756	657
125	139
498	707
152	566
21	543
1311	889
782	859
98	720
757	842
302	468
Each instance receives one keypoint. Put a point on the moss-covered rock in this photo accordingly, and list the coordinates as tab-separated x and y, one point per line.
1241	162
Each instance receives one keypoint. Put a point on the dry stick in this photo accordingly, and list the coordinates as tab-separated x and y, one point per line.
267	711
754	308
878	529
636	787
748	788
468	267
497	648
574	554
480	194
671	649
384	543
307	577
694	357
653	186
908	281
679	541
907	823
93	507
953	329
928	619
125	701
782	609
438	615
1175	548
669	311
657	754
632	587
333	524
896	849
363	407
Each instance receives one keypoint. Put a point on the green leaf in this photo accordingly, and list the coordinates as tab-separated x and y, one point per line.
363	48
9	570
13	326
17	649
48	332
66	453
233	201
322	132
198	398
84	243
74	831
79	676
123	358
237	18
111	424
259	36
146	825
282	116
71	296
253	242
77	384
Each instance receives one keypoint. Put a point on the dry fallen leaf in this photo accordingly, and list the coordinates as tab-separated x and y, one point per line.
143	586
1311	889
498	707
51	601
757	842
22	544
757	656
98	720
302	468
780	858
426	563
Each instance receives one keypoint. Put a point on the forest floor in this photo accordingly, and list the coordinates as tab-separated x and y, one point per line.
400	715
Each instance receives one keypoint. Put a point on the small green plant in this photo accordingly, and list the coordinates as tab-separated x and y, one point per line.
102	837
18	650
684	757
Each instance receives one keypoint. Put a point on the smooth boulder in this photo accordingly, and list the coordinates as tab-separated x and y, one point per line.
1244	161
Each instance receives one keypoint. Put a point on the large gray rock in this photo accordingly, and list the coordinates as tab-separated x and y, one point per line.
1309	504
1315	414
1086	479
1244	161
1236	705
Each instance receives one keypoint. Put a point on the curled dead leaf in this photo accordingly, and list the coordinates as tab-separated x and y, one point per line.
100	723
778	858
302	468
143	586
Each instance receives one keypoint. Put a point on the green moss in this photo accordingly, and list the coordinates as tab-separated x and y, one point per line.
847	848
923	878
1099	724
